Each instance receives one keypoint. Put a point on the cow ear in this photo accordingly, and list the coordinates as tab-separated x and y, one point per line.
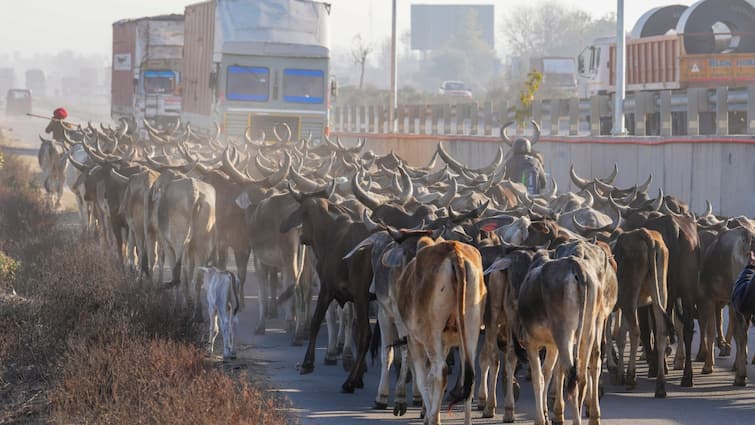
493	223
295	219
499	264
393	257
243	201
361	246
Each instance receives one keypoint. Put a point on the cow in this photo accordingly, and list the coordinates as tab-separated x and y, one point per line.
223	306
440	298
53	160
132	207
726	257
642	262
331	236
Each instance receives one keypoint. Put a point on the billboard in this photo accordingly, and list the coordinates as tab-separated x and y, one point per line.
434	25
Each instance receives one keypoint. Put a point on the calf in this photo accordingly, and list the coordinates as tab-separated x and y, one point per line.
223	304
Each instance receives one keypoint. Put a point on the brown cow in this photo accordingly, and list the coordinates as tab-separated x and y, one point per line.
440	297
642	260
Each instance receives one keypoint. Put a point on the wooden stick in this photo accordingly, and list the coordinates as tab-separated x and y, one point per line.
54	119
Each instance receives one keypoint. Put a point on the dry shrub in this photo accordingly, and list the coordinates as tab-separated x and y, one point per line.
140	381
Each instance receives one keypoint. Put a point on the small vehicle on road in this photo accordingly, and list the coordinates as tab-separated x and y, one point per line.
455	89
18	102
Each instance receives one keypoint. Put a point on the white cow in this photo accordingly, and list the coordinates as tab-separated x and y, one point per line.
223	303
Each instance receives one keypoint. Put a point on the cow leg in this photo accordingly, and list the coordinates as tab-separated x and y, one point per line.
538	384
213	329
741	326
400	401
418	357
324	299
648	351
263	293
549	365
489	368
331	356
621	342
291	303
725	347
708	327
347	324
558	401
363	333
341	339
689	328
631	321
660	350
679	330
241	255
596	364
388	337
510	376
225	326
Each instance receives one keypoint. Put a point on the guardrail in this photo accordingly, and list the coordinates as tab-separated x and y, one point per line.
721	111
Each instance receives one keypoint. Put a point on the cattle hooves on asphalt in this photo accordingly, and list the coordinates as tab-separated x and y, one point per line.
260	330
380	406
330	362
348	363
347	388
306	369
399	409
417	402
725	351
660	392
517	391
687	381
707	370
481	404
740	381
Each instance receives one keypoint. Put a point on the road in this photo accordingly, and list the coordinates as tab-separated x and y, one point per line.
316	398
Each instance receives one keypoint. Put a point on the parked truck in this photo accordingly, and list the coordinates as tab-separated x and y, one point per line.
146	71
677	47
257	65
7	80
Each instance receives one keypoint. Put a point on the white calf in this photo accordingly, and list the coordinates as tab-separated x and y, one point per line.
223	303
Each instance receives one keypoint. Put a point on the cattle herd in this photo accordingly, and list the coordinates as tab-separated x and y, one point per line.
555	280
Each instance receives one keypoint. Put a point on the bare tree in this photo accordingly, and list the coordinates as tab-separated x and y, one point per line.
359	53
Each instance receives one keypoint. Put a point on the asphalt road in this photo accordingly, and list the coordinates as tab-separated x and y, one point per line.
316	398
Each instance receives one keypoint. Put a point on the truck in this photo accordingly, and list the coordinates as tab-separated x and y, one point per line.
35	81
7	79
146	71
559	75
677	47
257	65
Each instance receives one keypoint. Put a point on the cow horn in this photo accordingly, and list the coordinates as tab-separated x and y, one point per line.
554	190
617	222
368	223
536	127
79	166
605	188
120	178
589	200
582	228
437	176
611	177
450	194
615	205
504	135
454	164
433	159
656	205
267	171
307	185
708	209
278	137
282	173
545	211
666	210
644	187
360	144
297	195
124	127
580	182
493	165
248	137
327	165
407	188
231	170
149	127
363	196
330	143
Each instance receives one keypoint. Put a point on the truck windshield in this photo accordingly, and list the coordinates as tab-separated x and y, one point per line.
248	83
303	86
159	82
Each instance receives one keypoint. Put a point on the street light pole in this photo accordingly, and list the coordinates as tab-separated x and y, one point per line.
393	103
618	110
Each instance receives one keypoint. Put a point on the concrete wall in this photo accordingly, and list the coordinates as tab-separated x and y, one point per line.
721	170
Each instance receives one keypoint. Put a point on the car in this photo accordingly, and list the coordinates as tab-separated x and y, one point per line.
455	89
18	102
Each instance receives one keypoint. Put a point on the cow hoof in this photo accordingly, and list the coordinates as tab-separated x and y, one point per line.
359	384
330	361
480	404
660	391
380	406
417	402
339	348
740	381
399	409
725	350
653	369
488	413
618	378
260	330
306	368
601	391
678	365
297	342
707	370
347	388
687	380
348	363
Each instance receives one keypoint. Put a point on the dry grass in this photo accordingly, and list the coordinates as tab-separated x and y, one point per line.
85	342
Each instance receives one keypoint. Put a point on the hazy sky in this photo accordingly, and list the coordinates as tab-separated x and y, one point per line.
48	26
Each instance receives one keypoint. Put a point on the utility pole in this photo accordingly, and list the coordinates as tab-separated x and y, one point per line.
618	110
394	92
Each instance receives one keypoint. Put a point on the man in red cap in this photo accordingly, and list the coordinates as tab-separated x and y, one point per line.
57	125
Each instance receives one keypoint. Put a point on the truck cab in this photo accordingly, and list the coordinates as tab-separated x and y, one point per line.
18	102
592	67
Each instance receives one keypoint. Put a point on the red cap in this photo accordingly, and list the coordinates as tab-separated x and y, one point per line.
60	114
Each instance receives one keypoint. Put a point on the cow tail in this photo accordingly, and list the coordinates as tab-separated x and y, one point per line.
467	365
582	288
660	272
235	284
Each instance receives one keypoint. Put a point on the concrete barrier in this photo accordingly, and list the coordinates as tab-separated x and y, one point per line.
694	169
